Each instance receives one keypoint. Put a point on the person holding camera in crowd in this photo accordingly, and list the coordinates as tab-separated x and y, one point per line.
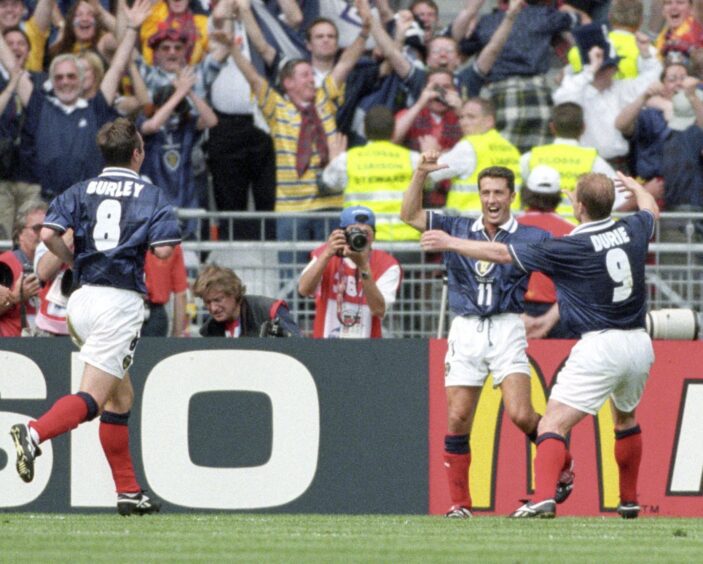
17	309
353	284
232	314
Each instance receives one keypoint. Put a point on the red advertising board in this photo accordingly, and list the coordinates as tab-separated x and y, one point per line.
670	414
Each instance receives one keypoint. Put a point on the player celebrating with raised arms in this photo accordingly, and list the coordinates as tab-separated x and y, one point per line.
115	218
487	334
599	273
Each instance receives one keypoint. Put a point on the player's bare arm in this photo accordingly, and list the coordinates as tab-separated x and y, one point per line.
412	212
644	200
57	245
436	240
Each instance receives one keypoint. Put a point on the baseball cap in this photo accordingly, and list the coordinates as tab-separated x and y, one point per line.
357	214
544	180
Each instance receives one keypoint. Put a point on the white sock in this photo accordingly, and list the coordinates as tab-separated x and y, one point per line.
33	435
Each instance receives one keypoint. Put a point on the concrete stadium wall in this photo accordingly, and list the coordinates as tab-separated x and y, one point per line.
332	427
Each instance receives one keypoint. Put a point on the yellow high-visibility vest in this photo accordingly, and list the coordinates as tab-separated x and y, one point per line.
492	149
570	161
378	174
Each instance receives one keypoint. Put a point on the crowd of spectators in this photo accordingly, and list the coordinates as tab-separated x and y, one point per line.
259	104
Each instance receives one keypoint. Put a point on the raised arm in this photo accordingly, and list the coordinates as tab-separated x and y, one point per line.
255	80
183	84
24	85
391	51
690	86
645	201
312	274
625	121
411	211
490	53
462	22
292	14
351	54
42	15
207	117
135	16
267	52
406	119
8	92
105	17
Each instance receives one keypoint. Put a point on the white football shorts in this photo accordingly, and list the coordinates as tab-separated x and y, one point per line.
105	323
477	346
613	363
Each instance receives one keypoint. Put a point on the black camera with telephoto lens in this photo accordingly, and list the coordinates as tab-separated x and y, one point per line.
356	239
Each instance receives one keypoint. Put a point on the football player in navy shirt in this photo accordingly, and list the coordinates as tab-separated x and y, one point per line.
487	333
115	218
599	273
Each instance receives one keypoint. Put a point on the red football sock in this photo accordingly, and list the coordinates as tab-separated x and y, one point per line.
567	460
628	454
457	467
551	453
114	439
66	414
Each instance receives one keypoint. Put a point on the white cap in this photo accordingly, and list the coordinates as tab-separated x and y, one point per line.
544	179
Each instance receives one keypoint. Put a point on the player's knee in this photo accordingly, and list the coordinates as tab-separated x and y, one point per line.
459	420
524	418
91	404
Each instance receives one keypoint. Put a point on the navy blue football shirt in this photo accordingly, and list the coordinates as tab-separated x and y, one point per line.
598	270
116	217
478	287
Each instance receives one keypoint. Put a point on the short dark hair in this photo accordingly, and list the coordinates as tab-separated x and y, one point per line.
17	29
438	70
596	193
498	172
117	141
488	108
626	13
379	123
317	21
288	69
431	3
539	201
567	119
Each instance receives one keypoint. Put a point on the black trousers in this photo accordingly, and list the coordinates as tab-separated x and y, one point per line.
241	157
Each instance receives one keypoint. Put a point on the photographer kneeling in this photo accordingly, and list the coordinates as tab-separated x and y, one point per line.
353	284
232	314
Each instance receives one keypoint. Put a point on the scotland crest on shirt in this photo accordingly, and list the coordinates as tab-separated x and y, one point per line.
483	268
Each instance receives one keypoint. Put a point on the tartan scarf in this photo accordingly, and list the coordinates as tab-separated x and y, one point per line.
311	132
424	124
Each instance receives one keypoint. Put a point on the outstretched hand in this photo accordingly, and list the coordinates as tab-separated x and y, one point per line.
428	162
139	12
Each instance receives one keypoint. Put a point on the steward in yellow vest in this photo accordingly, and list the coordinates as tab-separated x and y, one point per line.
378	173
565	155
375	175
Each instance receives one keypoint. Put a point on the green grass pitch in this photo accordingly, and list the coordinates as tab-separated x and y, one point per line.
26	537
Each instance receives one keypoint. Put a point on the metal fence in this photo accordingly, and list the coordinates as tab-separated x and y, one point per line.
674	271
